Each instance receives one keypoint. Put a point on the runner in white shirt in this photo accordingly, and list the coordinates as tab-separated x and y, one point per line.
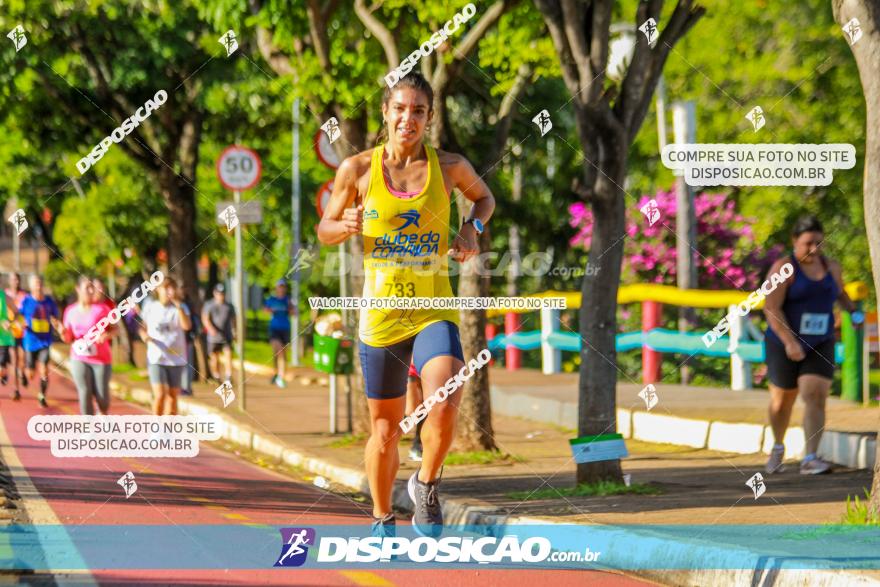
165	323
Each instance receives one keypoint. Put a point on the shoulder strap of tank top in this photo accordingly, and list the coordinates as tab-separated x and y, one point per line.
794	261
436	170
375	167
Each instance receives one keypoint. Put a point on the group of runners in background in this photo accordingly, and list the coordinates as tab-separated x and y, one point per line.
31	320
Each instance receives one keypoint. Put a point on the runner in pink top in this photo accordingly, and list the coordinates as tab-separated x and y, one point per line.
90	370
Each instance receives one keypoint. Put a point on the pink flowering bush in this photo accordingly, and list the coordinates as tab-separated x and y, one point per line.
728	256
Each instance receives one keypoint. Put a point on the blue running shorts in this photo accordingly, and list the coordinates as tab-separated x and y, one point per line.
386	368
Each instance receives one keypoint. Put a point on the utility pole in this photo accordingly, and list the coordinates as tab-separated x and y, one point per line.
684	126
516	195
295	199
242	306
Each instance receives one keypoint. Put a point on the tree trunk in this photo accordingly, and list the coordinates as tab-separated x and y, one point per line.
179	197
597	405
475	430
865	51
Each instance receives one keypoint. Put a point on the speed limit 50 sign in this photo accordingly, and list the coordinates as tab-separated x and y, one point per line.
239	168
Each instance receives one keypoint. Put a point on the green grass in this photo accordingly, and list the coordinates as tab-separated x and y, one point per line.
348	440
480	457
640	446
261	353
601	488
124	368
857	513
856	516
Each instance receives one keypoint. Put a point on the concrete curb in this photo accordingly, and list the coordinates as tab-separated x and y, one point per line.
851	449
459	511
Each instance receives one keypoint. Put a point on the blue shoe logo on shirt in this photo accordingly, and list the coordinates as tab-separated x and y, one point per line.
411	217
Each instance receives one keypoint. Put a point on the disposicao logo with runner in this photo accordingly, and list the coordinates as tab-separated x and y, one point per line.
295	546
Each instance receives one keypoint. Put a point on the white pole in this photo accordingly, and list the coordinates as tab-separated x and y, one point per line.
684	127
343	291
661	112
740	370
551	358
295	213
333	404
239	315
343	282
16	252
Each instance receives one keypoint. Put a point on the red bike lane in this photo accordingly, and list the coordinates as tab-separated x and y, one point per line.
213	488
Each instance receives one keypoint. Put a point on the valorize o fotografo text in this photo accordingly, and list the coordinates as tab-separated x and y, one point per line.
122	131
749	303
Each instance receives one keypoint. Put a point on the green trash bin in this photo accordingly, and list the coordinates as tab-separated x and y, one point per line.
334	355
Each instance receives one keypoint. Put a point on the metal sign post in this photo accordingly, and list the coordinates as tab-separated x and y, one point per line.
16	250
295	198
239	169
239	316
327	155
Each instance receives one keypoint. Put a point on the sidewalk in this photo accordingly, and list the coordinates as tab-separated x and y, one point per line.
696	485
698	417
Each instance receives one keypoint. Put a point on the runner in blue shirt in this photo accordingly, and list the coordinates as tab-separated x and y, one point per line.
41	314
279	328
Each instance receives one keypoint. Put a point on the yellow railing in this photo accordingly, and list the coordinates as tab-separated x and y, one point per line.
668	294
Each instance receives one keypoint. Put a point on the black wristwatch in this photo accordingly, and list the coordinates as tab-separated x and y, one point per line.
478	224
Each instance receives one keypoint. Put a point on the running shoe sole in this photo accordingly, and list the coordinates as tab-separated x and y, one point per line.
824	471
780	468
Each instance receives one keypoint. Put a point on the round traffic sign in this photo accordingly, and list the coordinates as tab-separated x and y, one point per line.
322	198
239	168
324	150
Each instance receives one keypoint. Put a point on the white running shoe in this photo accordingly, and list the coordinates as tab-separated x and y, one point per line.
774	463
815	467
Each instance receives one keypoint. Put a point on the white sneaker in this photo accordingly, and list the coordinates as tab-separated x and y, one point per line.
815	467
774	463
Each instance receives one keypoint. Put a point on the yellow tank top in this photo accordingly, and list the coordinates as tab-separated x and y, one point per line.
405	253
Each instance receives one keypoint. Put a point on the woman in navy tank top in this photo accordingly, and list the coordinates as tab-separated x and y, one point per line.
799	341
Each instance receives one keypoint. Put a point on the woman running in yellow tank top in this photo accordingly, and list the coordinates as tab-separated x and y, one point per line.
398	196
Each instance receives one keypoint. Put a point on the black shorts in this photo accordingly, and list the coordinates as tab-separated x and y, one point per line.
386	369
6	355
32	357
784	373
280	334
218	347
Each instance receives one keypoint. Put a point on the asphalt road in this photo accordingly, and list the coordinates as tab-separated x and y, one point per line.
216	487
